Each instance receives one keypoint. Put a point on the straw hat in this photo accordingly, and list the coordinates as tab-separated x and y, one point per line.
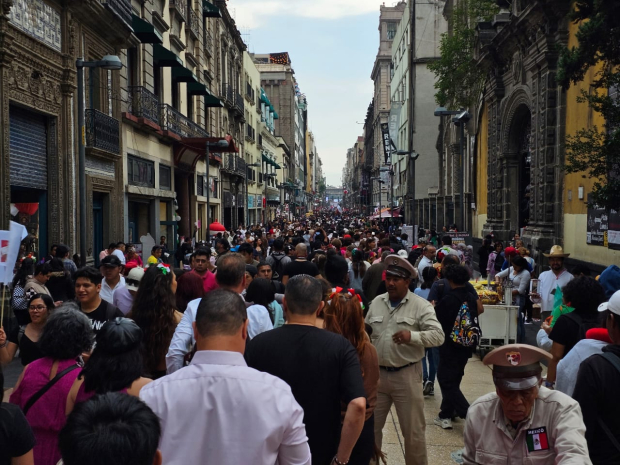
556	252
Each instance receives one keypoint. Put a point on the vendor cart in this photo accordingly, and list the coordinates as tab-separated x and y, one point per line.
498	324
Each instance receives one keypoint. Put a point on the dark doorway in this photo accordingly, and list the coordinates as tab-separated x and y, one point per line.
525	179
97	226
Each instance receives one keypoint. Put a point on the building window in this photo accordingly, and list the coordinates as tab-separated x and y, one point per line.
176	100
200	185
132	66
165	177
190	106
391	30
140	172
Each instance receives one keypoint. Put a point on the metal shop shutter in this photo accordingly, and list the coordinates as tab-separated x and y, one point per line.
28	148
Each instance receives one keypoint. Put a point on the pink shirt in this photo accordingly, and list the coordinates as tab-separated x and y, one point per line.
208	281
221	410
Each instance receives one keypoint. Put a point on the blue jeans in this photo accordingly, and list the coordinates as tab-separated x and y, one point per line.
432	355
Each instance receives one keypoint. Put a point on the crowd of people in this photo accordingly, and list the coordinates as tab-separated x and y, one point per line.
290	343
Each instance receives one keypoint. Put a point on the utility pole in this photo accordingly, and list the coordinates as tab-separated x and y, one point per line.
411	119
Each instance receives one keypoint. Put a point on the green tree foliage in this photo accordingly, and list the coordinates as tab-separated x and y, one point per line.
459	80
596	151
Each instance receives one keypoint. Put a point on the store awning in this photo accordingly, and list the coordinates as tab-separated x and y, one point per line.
189	150
164	57
145	31
182	74
275	164
209	10
196	88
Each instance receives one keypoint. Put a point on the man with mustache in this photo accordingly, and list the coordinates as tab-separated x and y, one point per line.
522	421
403	325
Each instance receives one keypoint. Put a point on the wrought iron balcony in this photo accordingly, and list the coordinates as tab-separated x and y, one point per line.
102	131
121	8
143	103
240	167
175	122
180	6
239	103
233	164
194	23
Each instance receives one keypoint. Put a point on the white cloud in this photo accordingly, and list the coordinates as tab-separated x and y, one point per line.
253	13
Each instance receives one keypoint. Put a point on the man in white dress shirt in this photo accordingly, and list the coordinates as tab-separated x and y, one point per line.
220	411
428	253
230	275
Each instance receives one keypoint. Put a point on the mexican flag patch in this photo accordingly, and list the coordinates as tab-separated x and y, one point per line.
537	439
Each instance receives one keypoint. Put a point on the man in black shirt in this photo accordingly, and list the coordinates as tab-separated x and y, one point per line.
87	288
322	369
300	265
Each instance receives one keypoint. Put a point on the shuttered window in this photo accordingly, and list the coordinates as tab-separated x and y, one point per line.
28	148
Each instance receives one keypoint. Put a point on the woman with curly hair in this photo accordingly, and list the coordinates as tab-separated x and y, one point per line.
114	366
66	335
344	316
154	310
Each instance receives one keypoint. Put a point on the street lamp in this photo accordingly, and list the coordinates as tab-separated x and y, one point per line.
412	157
247	196
222	143
459	118
108	62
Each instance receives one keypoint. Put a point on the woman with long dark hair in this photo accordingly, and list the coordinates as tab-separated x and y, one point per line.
263	292
154	310
344	316
19	299
189	287
357	269
114	366
26	338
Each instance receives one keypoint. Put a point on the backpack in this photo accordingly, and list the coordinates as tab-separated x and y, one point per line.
466	330
577	319
499	262
277	267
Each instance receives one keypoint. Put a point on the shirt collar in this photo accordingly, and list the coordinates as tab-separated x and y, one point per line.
218	357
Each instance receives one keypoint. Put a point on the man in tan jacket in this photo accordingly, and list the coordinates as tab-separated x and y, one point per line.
523	422
36	284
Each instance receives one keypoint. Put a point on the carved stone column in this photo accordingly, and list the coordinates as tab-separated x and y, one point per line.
6	58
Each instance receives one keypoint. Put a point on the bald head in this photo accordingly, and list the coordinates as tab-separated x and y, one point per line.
301	250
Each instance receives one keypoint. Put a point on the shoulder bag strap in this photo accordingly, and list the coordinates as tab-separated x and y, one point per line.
615	361
47	387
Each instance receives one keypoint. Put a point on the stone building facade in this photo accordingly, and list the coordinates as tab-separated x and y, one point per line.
39	44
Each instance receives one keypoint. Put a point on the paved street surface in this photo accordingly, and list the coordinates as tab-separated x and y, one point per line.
441	444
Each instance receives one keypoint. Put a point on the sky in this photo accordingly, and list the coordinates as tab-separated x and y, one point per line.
332	45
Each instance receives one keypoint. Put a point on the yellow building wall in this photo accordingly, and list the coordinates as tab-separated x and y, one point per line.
581	116
482	161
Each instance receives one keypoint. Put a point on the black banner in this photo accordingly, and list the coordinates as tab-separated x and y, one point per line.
387	146
614	230
597	226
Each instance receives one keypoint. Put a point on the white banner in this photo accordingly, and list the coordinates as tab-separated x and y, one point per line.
9	249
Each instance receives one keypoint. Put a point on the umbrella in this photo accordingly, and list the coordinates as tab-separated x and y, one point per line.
216	227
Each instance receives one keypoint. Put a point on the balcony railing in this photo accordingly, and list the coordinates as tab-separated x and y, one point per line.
234	164
143	103
239	103
173	121
194	22
181	8
102	131
121	8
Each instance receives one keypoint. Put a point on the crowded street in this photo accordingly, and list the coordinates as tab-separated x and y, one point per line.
309	232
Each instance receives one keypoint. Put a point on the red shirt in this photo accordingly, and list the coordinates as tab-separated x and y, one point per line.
208	281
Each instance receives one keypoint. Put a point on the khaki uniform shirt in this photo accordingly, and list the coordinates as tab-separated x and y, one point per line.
553	435
413	314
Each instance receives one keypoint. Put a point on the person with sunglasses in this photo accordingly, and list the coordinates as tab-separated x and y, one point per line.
522	421
26	337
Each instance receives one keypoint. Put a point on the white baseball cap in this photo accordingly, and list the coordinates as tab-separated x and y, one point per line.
132	281
613	305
